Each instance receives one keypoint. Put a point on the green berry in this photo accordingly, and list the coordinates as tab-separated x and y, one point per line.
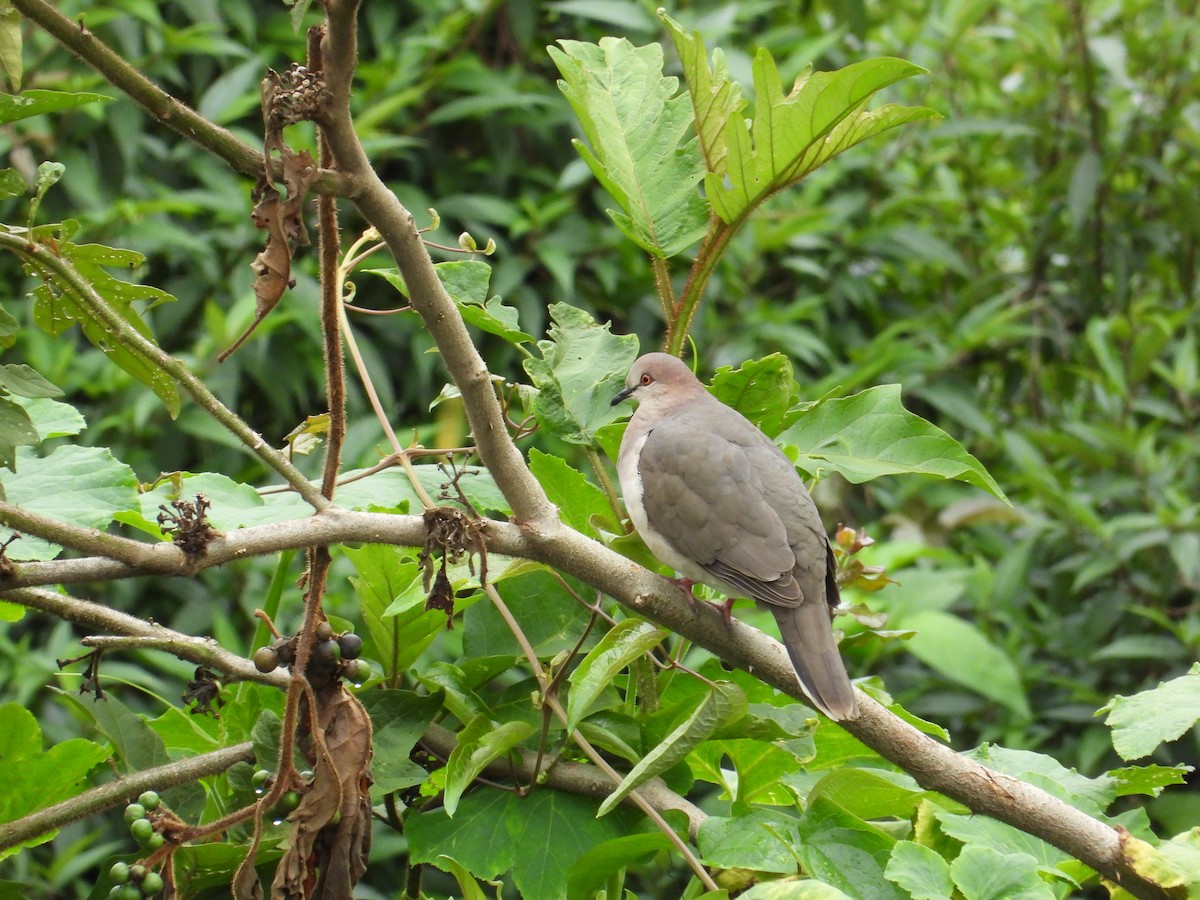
129	892
261	777
150	800
141	829
134	811
151	884
289	801
156	841
119	873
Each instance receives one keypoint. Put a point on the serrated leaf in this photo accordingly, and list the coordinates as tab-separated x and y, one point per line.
761	841
981	873
762	390
715	97
920	871
636	124
1141	722
724	703
388	586
398	720
581	504
37	103
626	641
582	368
791	135
81	485
58	305
1149	780
845	851
871	434
480	742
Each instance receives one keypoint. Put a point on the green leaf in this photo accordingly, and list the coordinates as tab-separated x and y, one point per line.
715	97
764	391
582	368
581	504
919	871
10	46
469	886
52	418
636	125
871	434
981	873
398	720
539	837
543	608
791	135
626	641
137	747
1148	780
1091	795
12	183
761	840
594	868
789	890
981	831
725	703
60	304
16	430
388	586
846	852
79	485
480	742
1141	722
466	281
960	651
869	794
26	382
38	103
46	777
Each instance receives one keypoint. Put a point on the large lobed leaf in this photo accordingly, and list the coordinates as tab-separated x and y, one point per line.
636	125
790	134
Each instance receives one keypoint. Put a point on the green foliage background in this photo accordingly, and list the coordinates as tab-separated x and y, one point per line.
1024	267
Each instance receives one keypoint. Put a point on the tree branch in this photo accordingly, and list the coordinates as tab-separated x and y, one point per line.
106	796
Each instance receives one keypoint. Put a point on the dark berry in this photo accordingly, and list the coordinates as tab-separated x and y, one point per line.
266	659
351	645
324	631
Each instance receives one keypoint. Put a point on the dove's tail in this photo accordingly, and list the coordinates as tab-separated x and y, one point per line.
808	636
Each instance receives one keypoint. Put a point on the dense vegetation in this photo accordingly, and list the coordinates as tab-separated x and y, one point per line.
1024	266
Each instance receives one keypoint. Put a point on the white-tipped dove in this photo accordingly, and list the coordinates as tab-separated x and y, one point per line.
715	499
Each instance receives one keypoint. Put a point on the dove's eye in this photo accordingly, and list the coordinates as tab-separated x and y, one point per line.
646	379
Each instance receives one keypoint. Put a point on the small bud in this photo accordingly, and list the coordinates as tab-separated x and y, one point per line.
467	242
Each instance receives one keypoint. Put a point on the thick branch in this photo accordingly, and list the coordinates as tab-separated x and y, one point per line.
202	651
12	834
441	317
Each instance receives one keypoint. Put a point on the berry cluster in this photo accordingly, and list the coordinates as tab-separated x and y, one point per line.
329	650
136	881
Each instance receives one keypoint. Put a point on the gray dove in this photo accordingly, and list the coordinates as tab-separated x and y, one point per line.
715	499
